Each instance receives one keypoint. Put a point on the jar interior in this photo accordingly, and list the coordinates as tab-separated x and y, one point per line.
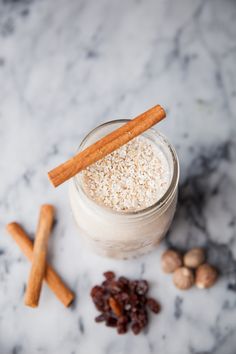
152	135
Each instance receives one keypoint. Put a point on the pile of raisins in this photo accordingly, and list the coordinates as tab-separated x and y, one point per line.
123	303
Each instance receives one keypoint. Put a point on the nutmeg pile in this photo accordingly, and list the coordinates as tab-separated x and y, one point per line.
123	302
189	269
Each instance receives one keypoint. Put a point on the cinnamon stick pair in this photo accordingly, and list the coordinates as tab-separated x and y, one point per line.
37	255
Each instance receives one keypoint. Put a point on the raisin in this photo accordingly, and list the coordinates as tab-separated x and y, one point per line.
100	305
114	287
123	280
109	275
142	318
97	291
105	284
142	300
122	297
134	316
133	300
121	329
122	320
106	305
136	328
153	305
142	287
100	318
133	285
122	323
111	322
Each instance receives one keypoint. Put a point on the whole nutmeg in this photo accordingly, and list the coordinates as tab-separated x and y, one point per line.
194	258
206	276
170	261
183	278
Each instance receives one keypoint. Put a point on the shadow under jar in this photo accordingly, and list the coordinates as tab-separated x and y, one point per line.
128	234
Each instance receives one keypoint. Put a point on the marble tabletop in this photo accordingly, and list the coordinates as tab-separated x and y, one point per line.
65	67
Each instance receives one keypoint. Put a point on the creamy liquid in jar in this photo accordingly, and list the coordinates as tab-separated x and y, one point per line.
125	202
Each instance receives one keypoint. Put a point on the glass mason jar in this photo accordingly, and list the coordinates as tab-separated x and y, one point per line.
124	234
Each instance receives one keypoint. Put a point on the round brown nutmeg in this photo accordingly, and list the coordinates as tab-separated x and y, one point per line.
206	276
183	278
194	258
170	261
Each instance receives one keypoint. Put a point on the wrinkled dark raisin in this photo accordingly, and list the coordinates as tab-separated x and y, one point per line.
105	284
97	291
121	329
122	320
106	305
133	285
136	328
133	299
142	287
153	305
122	297
123	280
100	305
100	318
114	287
109	275
134	316
121	285
142	318
142	300
111	322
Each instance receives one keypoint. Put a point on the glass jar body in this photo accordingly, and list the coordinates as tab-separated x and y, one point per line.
124	235
120	237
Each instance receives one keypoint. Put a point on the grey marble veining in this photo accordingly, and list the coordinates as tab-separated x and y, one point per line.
67	66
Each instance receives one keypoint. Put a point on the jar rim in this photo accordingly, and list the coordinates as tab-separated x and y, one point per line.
160	202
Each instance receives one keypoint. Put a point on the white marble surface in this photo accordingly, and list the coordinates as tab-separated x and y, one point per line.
66	66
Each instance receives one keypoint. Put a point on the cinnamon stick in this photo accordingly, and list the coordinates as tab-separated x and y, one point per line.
106	145
55	283
39	256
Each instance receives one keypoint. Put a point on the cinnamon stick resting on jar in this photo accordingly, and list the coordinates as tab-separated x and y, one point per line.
106	145
55	283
